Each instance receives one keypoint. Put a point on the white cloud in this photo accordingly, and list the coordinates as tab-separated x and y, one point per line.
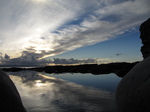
51	27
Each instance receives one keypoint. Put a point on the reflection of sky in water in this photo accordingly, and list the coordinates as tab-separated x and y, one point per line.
66	92
107	82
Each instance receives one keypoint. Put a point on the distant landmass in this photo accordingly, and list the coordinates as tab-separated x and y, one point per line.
120	68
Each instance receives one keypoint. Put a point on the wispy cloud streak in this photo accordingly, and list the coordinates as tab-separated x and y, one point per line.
49	27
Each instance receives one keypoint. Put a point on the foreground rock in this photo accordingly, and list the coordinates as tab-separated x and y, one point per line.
133	92
10	100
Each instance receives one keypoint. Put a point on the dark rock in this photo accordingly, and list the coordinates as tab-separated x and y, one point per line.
133	91
10	100
145	37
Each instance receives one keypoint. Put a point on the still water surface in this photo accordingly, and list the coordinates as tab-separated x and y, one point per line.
42	92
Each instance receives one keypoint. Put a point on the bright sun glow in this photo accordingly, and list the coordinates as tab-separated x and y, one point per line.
39	30
40	48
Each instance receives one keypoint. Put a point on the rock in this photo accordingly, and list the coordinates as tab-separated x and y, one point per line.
10	100
145	37
133	92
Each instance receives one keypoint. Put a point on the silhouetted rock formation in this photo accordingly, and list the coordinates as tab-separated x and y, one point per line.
10	100
133	91
145	37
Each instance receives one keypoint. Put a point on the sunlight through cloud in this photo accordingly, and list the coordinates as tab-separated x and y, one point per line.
51	27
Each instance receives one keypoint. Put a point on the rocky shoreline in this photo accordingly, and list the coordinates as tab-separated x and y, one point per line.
119	68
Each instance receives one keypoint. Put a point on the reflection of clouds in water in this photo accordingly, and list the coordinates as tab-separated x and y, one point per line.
47	94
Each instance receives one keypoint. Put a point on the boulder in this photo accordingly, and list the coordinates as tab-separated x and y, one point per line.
10	100
133	91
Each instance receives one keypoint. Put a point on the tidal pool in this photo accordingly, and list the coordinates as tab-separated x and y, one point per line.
42	92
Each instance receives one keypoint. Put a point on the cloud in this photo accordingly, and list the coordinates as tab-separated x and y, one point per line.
52	27
118	54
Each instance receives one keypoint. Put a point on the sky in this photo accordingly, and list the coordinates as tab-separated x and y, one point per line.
80	29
